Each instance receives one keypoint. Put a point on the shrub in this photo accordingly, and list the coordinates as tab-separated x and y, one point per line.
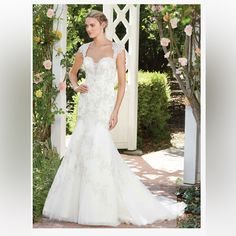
153	102
191	196
45	164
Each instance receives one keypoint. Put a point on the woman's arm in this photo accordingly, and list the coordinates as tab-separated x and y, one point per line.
121	72
74	69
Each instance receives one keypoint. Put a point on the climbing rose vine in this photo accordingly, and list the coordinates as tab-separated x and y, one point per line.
182	50
44	92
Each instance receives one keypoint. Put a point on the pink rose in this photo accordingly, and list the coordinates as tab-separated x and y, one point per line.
50	13
157	8
198	51
62	86
154	7
174	22
188	30
47	64
167	55
165	42
182	61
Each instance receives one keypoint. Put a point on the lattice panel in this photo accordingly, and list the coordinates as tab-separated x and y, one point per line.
121	18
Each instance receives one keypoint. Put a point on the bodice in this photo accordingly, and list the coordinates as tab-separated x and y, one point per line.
101	78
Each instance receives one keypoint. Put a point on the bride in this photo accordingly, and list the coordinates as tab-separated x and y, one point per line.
94	185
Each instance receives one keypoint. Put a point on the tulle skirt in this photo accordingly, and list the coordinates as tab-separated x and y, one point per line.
94	185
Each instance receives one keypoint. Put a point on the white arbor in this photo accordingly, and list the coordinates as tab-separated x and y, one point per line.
58	129
125	133
191	148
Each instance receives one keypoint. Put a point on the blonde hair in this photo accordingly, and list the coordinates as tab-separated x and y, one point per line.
100	16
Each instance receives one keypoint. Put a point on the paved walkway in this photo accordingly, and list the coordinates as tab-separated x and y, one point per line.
160	171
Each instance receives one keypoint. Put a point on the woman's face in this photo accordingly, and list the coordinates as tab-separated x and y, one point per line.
93	27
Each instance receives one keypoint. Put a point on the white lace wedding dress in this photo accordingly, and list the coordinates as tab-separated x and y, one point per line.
94	185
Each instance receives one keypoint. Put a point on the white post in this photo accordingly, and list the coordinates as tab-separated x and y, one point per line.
190	147
125	133
133	76
58	128
198	170
108	11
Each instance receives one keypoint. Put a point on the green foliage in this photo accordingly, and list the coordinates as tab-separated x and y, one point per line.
151	50
45	164
187	15
192	197
45	159
153	102
44	108
72	115
44	92
151	56
192	221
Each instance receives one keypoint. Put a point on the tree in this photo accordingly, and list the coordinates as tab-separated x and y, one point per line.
182	50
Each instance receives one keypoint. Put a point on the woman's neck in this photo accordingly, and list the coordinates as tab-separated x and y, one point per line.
100	40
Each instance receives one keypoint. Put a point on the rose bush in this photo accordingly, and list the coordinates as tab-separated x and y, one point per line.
44	92
45	158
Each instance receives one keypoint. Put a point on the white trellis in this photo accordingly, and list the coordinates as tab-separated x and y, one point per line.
192	144
58	129
125	133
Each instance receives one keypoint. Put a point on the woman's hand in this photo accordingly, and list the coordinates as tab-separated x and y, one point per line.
113	120
83	88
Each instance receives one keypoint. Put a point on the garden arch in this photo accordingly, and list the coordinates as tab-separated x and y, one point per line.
128	110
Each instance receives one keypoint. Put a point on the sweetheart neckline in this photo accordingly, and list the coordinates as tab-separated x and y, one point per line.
99	59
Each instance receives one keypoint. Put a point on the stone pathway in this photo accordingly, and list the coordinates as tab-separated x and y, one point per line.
160	171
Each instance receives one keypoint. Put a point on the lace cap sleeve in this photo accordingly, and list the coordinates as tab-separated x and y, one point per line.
83	49
118	49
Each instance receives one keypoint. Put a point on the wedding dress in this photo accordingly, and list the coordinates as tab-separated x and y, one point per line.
94	185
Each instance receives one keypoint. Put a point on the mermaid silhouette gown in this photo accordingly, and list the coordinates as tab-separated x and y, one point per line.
93	185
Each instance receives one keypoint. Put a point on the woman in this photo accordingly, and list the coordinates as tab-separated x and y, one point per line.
93	185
